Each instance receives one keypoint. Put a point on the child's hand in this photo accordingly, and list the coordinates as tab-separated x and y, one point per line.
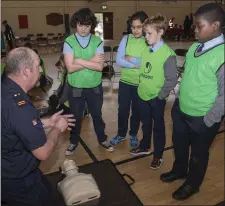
76	60
136	67
98	58
128	58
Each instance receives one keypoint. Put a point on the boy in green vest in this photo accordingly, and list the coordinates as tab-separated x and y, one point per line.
84	60
157	78
129	57
198	111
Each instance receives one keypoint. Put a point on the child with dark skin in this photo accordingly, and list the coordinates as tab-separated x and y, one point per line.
198	111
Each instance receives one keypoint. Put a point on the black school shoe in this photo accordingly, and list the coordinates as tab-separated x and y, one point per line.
184	192
156	163
171	177
138	151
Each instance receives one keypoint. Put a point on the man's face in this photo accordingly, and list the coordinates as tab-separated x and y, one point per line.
33	73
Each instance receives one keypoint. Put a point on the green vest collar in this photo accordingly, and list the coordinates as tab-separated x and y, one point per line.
197	54
78	38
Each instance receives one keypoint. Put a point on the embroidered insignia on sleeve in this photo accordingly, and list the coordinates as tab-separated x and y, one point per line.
19	99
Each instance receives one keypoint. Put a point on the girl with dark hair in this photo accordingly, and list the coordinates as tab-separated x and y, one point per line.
128	56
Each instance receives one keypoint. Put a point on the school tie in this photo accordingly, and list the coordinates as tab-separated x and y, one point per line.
200	48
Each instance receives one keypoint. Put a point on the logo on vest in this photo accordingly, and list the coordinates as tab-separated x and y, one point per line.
147	70
148	67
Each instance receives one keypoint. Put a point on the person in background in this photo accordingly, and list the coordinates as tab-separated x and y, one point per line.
171	22
187	27
2	43
191	33
129	31
9	34
3	64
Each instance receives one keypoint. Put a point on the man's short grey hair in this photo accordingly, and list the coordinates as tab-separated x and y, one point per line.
19	59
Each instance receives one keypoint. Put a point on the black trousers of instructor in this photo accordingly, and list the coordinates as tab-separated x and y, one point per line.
191	131
32	190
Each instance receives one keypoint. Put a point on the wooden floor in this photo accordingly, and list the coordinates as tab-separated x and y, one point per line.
148	187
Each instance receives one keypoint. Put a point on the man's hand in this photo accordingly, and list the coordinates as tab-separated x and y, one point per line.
70	120
65	122
54	118
62	123
98	58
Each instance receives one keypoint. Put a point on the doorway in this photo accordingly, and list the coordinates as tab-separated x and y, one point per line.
104	28
99	28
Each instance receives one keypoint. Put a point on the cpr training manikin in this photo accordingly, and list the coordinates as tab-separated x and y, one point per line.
77	188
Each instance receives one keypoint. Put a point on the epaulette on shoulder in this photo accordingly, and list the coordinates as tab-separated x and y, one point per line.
19	99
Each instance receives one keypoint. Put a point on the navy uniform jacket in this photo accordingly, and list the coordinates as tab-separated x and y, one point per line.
21	132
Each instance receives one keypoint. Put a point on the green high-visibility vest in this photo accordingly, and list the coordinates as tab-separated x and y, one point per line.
134	48
85	78
152	72
199	85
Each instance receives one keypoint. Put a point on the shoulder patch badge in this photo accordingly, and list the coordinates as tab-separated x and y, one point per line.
20	101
